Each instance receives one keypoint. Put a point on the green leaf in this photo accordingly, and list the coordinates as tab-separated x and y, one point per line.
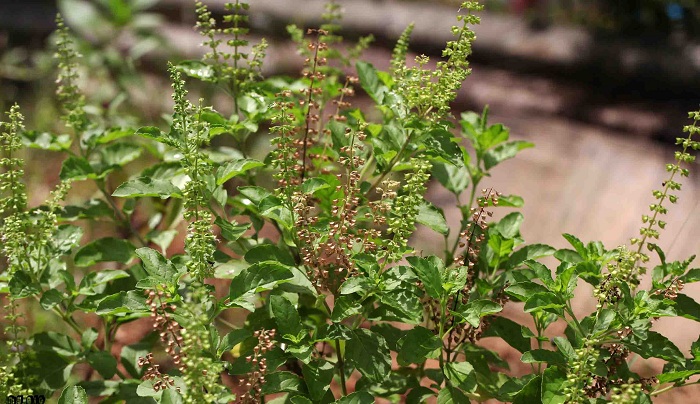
454	177
56	342
73	395
553	382
418	345
576	243
51	298
509	226
510	332
45	140
529	252
428	271
197	69
283	382
450	395
123	302
232	339
475	309
269	252
231	231
103	362
110	135
90	284
312	185
345	306
157	266
358	397
565	347
604	319
76	168
524	290
147	186
54	372
272	207
368	352
235	168
544	301
504	152
318	377
370	81
22	285
92	209
130	355
286	316
673	377
432	217
569	256
687	307
119	154
257	278
655	345
461	374
104	250
543	355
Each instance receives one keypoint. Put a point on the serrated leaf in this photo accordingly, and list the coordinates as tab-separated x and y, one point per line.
231	231
50	299
475	309
461	374
418	345
197	69
543	301
257	278
504	152
543	355
524	290
553	381
76	168
510	332
283	382
235	168
428	271
119	154
123	302
312	185
368	352
286	316
454	177
345	306
358	397
370	81
157	266
431	216
73	395
45	141
104	363
509	226
269	252
105	250
655	345
318	377
147	186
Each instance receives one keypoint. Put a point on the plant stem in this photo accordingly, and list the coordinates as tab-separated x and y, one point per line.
341	368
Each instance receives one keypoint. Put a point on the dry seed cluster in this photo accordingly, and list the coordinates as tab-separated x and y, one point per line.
160	381
168	329
256	378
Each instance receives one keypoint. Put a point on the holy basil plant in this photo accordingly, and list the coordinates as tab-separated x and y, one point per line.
263	250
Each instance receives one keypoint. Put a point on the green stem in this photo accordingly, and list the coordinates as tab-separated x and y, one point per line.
119	214
341	368
672	386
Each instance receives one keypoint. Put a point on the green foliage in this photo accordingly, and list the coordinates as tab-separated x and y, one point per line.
312	246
